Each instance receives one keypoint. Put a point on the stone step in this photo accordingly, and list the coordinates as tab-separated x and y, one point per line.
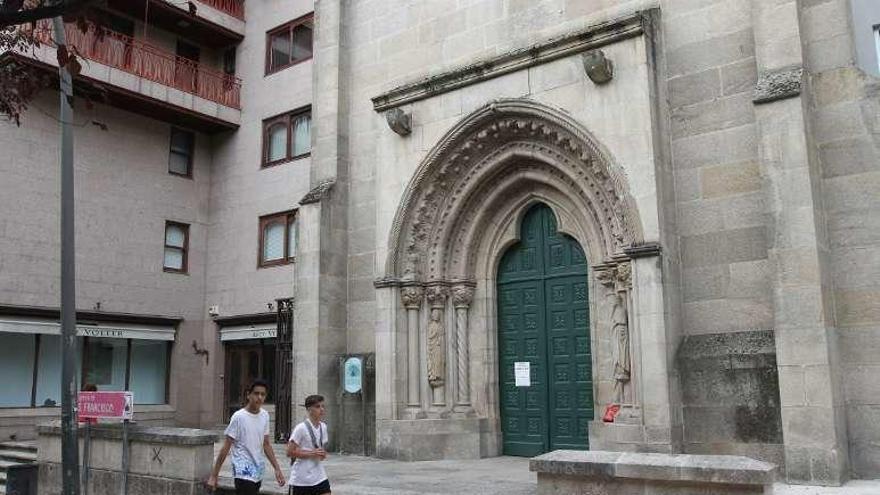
22	446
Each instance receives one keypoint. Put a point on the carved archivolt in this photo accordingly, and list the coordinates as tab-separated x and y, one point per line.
518	145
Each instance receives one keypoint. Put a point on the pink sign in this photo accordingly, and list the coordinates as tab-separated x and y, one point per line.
108	405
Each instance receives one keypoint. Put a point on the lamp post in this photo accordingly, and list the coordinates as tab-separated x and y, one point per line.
69	438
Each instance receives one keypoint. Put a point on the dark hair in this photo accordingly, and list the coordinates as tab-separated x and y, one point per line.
90	387
259	382
313	400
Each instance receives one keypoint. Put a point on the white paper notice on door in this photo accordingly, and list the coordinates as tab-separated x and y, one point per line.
521	374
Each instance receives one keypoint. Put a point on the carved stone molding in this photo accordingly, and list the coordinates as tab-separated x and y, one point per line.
411	296
778	84
565	45
434	230
318	192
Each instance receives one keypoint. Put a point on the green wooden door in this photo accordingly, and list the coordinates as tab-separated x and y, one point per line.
543	319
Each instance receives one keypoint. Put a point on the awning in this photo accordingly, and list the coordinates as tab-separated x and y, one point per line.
106	330
241	332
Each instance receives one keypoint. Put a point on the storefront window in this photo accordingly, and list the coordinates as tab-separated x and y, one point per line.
49	371
16	369
149	365
105	363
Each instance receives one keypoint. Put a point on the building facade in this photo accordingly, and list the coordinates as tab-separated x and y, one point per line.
640	225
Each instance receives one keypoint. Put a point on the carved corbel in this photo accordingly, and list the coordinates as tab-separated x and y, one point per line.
599	69
399	121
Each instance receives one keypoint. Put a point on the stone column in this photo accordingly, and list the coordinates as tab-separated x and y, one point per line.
811	392
462	296
412	297
436	345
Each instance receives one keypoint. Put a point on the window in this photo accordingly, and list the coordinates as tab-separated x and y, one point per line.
176	246
877	44
17	369
30	365
180	157
289	44
277	239
287	137
140	366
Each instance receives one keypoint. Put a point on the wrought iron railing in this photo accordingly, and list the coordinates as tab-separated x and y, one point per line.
235	8
148	61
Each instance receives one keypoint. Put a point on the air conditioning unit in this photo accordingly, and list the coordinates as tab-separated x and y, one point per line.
214	310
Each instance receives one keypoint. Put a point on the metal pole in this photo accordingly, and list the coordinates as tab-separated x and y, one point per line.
69	440
87	454
125	461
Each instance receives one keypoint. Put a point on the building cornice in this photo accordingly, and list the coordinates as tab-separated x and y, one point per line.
592	37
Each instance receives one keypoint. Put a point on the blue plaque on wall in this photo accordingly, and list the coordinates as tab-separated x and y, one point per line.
353	373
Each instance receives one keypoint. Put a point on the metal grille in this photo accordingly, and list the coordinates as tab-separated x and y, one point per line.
283	370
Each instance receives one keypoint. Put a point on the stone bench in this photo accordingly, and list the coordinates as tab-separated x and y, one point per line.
572	472
162	460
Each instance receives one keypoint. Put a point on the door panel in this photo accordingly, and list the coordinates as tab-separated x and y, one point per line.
521	338
543	318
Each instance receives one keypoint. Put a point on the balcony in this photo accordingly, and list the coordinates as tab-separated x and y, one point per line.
146	79
216	23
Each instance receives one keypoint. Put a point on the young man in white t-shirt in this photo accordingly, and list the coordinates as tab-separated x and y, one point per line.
248	437
307	442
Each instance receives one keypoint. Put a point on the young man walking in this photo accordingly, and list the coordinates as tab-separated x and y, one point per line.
306	446
248	437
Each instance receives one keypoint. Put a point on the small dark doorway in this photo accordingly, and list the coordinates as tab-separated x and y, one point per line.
247	360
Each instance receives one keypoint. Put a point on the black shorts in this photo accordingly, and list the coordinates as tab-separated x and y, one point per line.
319	489
246	487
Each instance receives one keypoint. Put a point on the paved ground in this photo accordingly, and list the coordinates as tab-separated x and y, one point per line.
351	475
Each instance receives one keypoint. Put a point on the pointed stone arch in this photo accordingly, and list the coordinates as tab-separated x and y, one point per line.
492	158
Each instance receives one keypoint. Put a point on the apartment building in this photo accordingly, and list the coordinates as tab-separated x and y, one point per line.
643	225
192	132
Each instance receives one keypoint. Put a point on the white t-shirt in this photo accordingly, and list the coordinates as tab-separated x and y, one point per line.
308	472
247	430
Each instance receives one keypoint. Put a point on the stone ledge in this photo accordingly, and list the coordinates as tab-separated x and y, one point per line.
720	469
149	434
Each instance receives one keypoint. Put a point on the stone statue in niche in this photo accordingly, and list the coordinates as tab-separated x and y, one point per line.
616	280
620	346
620	331
436	349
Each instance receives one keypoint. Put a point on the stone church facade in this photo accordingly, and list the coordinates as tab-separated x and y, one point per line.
716	185
529	211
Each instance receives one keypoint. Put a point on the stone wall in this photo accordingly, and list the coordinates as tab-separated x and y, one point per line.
730	395
845	107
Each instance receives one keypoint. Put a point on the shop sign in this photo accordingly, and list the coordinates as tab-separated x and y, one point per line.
353	373
105	405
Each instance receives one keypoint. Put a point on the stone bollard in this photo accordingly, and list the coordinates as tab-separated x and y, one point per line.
571	472
162	460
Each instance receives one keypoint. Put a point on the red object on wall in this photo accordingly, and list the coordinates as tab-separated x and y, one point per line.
610	412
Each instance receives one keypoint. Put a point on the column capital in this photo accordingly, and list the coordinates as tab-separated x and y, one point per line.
462	295
411	296
437	295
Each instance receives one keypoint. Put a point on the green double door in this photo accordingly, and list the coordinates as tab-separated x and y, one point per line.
543	320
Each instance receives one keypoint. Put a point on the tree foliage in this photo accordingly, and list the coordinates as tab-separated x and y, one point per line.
20	82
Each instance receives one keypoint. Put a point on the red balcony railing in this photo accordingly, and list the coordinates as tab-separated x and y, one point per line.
235	8
148	61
